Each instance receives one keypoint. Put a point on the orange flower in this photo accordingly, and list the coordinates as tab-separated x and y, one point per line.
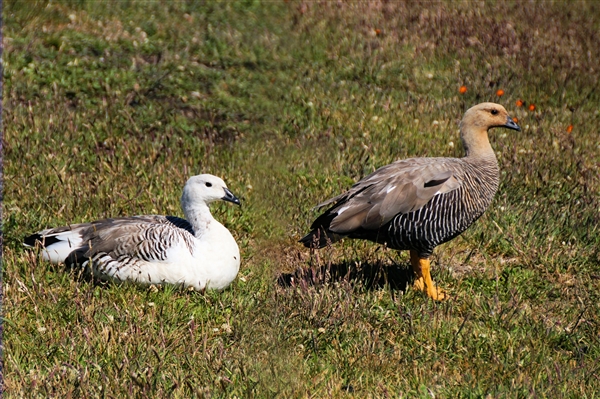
462	90
569	128
378	32
500	93
516	120
532	107
520	103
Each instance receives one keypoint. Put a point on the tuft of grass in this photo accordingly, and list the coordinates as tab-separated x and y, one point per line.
110	106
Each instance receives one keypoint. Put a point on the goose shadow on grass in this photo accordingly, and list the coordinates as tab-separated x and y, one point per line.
358	274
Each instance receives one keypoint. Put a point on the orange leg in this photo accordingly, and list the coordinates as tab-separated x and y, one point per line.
423	281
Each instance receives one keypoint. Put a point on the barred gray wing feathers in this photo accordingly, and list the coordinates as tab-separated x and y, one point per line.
401	187
144	238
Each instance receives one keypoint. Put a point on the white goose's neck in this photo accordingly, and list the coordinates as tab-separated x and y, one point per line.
199	217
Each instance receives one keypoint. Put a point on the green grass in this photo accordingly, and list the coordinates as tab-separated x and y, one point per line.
110	106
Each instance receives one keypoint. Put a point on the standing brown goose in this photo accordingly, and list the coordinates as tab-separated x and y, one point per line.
417	204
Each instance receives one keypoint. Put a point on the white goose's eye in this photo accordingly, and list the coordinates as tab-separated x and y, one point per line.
208	184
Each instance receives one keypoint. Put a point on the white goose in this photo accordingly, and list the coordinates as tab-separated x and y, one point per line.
198	252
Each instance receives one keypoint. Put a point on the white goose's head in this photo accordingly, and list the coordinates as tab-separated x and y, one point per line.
204	189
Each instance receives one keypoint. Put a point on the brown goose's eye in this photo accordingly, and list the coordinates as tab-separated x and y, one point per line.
494	112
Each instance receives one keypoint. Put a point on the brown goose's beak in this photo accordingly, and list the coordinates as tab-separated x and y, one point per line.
229	197
510	124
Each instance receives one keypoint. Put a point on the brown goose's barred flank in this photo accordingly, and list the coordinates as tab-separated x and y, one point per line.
419	203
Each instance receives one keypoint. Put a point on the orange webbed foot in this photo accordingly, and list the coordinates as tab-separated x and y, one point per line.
423	281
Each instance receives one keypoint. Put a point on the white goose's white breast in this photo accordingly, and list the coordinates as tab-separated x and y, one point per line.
219	255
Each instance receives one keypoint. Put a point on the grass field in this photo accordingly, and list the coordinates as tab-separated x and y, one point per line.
110	106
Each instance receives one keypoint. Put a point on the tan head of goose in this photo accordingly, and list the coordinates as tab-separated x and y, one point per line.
197	251
417	204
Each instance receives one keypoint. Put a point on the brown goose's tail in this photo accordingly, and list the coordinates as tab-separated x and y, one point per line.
319	238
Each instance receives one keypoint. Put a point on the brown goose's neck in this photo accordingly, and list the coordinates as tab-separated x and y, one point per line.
480	157
476	143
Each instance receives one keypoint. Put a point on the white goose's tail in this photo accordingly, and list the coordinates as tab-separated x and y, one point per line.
56	244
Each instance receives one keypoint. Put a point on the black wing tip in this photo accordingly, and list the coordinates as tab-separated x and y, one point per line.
31	240
308	240
38	239
77	259
319	238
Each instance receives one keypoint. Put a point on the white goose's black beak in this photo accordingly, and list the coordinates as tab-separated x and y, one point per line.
510	124
229	197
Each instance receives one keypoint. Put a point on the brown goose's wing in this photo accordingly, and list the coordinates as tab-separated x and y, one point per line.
401	187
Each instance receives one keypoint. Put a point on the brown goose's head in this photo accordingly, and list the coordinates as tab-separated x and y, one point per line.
475	125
